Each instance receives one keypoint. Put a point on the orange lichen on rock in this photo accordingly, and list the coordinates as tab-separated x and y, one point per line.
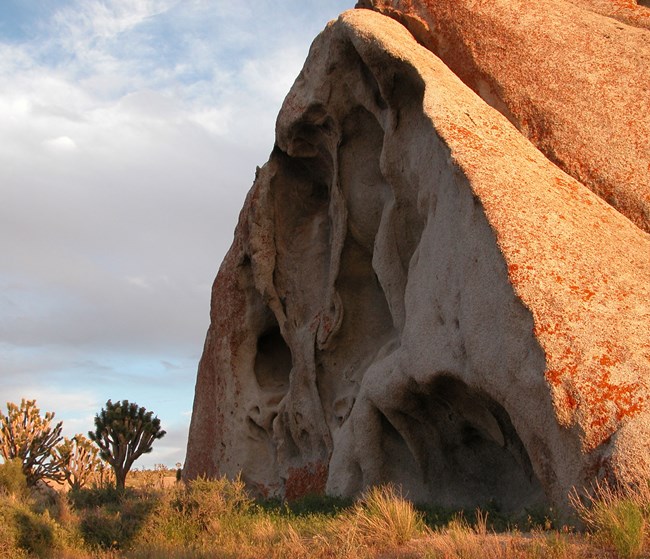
626	11
565	72
584	290
587	389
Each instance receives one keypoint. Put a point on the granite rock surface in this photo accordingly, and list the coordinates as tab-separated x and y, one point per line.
416	294
572	75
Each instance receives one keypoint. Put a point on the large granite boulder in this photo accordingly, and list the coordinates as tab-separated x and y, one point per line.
569	74
416	294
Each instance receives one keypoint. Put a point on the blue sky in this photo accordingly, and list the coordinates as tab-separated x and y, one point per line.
129	135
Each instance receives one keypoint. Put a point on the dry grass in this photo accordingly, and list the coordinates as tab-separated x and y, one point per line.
618	517
216	518
383	517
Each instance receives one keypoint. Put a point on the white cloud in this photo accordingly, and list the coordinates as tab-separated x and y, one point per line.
139	281
129	135
75	409
84	23
62	143
14	58
216	121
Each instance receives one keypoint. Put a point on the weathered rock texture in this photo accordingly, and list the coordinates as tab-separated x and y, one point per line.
626	11
416	294
574	82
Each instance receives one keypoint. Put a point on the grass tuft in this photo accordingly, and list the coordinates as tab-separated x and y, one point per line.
616	516
385	517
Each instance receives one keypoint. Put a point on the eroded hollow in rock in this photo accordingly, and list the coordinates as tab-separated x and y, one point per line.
272	361
461	446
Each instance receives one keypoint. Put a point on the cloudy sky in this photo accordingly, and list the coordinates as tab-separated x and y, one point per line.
129	135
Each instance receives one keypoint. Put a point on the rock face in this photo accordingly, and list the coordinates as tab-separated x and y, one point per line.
570	79
416	294
631	12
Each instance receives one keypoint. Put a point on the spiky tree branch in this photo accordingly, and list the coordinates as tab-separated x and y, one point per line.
79	460
123	433
25	435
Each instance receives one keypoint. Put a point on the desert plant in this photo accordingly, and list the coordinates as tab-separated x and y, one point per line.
204	513
124	432
103	477
78	459
617	516
206	499
114	525
9	533
29	437
150	480
384	516
12	478
28	532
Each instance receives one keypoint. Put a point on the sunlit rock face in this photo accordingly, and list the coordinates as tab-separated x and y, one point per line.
572	75
415	294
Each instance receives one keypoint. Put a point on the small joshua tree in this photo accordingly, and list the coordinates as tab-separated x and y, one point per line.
123	433
79	460
30	438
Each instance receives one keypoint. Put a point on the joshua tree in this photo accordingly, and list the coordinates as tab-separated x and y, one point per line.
78	459
123	433
27	436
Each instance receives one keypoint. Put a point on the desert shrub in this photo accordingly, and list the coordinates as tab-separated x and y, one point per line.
203	510
96	497
117	522
202	501
12	478
616	516
26	532
384	513
8	547
36	533
622	525
474	537
104	529
9	536
549	545
384	517
308	505
319	505
457	539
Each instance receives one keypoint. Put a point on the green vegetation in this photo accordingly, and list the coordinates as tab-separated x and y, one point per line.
12	478
384	517
124	432
217	518
94	515
618	518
